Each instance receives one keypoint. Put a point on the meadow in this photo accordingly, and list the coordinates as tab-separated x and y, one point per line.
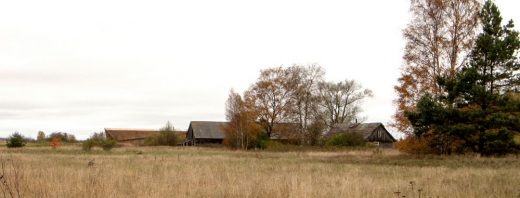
218	172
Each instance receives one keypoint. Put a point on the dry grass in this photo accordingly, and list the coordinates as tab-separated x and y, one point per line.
197	172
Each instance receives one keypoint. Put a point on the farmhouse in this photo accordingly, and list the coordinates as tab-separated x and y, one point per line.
372	132
135	137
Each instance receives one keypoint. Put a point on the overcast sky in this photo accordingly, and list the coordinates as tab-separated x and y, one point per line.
81	66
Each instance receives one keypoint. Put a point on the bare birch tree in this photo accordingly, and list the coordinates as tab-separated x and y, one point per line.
340	102
304	82
242	128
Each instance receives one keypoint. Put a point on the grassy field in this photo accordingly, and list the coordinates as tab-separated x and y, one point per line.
204	172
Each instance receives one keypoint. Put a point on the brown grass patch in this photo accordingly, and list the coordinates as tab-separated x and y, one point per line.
204	172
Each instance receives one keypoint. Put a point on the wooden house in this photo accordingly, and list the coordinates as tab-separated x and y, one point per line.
372	132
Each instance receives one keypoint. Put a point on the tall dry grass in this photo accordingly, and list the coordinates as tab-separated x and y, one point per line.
197	172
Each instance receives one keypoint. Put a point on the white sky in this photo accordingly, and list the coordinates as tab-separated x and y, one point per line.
81	66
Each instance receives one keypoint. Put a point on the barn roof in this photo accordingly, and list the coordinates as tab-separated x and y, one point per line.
122	134
208	129
365	129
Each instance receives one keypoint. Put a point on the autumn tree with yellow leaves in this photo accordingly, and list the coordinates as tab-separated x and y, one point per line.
438	38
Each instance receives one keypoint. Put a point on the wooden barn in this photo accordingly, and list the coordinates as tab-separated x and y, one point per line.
205	132
136	137
372	132
210	132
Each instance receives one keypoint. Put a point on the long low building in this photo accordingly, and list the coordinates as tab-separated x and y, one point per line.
134	137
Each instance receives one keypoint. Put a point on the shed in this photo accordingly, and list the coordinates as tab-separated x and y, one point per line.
204	132
372	132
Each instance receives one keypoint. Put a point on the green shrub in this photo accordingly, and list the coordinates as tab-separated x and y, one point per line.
346	139
151	140
88	144
15	140
168	138
98	140
164	138
108	144
262	141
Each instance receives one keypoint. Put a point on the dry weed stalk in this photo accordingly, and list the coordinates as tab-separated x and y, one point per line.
11	177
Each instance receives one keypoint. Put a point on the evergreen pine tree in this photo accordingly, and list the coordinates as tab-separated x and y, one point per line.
15	140
479	111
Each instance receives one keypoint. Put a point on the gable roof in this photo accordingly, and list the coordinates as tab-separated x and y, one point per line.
365	129
207	129
122	134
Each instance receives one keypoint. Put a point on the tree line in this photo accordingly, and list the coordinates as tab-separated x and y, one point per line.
295	103
459	91
55	138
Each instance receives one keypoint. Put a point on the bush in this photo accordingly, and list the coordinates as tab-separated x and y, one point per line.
98	140
164	138
168	138
152	140
88	144
56	142
346	139
64	137
261	141
413	145
108	144
16	140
